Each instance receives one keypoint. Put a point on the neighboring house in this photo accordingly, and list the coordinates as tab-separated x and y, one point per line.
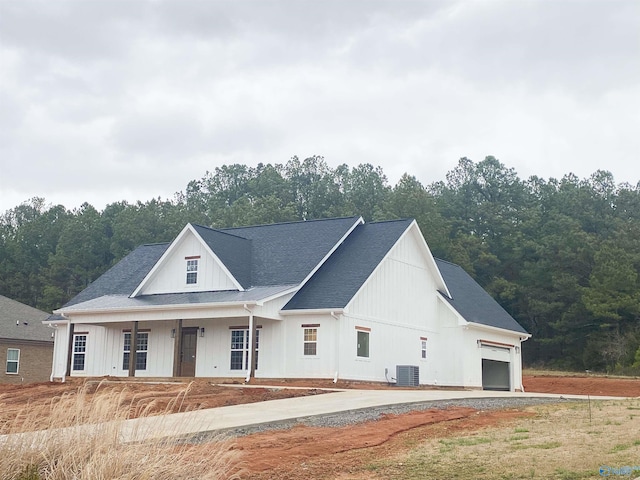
26	345
327	299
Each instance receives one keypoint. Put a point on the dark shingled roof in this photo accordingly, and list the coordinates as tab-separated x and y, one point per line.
286	253
22	322
471	300
340	278
111	302
264	255
124	276
233	251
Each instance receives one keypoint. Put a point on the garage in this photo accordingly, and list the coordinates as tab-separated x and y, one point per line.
496	367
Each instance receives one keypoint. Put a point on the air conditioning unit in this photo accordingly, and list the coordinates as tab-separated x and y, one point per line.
407	375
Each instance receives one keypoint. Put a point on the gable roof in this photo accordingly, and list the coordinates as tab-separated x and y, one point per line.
472	301
22	322
257	256
124	276
286	253
352	263
233	251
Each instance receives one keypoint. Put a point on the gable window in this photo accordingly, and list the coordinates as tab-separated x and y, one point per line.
192	270
240	349
423	348
79	351
310	339
141	350
363	343
13	360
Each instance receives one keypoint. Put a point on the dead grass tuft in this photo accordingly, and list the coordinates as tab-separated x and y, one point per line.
79	436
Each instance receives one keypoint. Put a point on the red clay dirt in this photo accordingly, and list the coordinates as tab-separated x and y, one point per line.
311	452
587	385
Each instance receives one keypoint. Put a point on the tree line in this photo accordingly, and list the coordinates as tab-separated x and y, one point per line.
562	256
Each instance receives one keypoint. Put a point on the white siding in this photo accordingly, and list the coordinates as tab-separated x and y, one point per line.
60	342
296	363
402	289
474	354
171	276
399	303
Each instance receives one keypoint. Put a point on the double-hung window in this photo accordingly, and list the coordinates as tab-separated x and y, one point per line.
423	348
310	341
13	360
192	270
79	351
141	350
240	349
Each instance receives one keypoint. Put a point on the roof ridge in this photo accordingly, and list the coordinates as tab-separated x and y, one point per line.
218	230
407	219
291	222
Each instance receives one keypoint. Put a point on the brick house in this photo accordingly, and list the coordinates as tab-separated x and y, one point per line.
26	345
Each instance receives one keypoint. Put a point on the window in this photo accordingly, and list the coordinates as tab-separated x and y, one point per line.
310	341
79	351
192	271
13	360
423	348
240	349
141	350
363	344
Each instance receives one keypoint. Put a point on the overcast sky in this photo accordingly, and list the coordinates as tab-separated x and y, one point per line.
102	101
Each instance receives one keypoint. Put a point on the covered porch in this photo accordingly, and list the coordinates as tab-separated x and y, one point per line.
225	341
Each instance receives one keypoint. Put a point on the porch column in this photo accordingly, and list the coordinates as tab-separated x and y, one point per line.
251	341
177	347
69	348
133	350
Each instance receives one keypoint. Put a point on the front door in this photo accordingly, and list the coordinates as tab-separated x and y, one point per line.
188	353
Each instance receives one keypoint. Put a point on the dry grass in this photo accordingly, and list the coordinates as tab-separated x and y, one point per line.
78	436
560	442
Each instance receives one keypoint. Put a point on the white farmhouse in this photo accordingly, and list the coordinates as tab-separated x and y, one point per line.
333	299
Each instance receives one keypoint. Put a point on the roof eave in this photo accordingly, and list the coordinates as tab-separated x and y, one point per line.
312	311
155	308
523	335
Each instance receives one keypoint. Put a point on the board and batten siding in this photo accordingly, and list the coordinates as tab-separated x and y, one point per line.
399	304
172	276
473	363
402	289
296	363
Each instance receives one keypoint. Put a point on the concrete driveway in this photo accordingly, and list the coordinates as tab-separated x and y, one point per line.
273	411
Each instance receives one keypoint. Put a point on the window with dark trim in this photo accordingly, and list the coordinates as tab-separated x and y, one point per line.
310	341
363	344
192	271
79	352
141	350
13	360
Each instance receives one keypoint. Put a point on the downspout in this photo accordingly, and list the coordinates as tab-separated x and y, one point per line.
337	346
250	344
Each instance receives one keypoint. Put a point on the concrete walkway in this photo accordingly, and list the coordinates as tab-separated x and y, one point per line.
272	411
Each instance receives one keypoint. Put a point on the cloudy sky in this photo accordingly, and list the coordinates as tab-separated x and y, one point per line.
102	101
